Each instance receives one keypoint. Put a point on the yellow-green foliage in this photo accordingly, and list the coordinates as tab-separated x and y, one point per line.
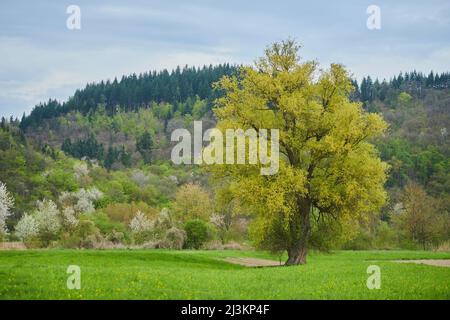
192	202
130	123
124	212
326	158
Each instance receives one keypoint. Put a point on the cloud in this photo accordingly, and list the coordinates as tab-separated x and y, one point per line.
41	59
45	73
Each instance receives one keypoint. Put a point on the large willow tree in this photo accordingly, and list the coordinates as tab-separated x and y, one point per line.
328	167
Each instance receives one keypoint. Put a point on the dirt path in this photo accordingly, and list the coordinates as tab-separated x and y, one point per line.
430	262
253	262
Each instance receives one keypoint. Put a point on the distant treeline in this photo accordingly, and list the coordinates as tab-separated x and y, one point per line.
412	82
137	91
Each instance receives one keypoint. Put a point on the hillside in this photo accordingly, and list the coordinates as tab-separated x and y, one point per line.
115	137
414	105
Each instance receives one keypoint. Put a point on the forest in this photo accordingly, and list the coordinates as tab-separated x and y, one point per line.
95	171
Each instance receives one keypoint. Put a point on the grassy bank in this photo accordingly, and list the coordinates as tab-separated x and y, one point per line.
154	274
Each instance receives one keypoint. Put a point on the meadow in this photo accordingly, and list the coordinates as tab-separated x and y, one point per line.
165	274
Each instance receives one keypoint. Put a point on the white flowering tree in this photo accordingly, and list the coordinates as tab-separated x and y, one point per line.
65	198
47	217
140	223
86	198
219	221
82	200
84	205
6	203
69	218
81	170
26	228
164	220
95	194
140	178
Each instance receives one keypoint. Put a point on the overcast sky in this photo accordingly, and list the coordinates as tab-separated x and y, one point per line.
40	58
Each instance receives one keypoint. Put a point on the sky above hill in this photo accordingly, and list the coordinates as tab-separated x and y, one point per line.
40	58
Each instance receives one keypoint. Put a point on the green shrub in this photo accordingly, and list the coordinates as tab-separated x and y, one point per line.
60	179
196	233
385	237
105	224
143	236
33	243
68	241
175	238
116	237
86	228
363	241
124	212
84	236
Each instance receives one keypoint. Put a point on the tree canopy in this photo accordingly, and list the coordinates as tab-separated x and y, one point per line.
329	170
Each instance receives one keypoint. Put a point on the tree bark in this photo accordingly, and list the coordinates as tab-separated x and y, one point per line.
300	230
297	255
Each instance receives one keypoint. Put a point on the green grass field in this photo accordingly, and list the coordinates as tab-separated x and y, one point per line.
154	274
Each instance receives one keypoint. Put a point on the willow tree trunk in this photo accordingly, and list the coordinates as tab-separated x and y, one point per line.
300	229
